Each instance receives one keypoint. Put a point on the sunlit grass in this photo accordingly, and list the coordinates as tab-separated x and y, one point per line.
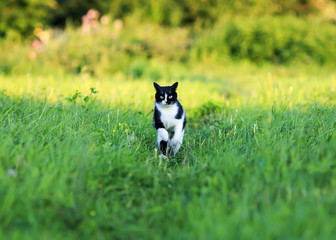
230	87
257	161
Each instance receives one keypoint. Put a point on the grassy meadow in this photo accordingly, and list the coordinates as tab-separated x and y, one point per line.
257	162
78	154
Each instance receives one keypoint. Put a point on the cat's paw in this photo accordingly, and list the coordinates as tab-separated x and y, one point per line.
162	156
163	134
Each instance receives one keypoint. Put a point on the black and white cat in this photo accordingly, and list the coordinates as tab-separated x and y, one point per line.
169	119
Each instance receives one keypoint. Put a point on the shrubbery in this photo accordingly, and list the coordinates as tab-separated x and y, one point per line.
22	16
99	47
276	40
102	46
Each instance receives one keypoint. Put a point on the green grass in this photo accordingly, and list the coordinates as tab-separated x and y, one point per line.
261	167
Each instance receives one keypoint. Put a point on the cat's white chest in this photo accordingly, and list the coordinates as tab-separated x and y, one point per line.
168	115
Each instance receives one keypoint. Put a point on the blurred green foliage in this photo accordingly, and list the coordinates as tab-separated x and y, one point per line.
276	40
22	16
125	36
138	51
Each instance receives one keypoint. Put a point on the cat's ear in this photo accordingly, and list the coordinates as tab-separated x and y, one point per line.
157	86
174	86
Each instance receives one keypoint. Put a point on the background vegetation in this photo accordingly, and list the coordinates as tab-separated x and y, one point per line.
15	13
78	158
218	33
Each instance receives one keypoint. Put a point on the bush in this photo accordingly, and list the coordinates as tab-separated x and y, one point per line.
277	40
96	49
101	48
22	16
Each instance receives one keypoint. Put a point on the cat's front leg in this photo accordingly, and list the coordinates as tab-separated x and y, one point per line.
162	140
176	141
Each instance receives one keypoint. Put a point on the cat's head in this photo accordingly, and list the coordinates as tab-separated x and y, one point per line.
166	95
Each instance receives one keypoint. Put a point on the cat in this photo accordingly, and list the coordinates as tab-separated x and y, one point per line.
169	119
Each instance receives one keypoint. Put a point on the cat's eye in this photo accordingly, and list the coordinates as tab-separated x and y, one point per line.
161	97
170	97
